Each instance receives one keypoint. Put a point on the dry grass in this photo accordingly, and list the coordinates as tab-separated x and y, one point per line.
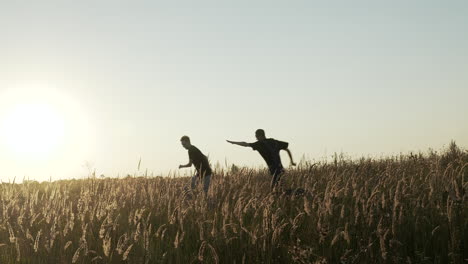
406	209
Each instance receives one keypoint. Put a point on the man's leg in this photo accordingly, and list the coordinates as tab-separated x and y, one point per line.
194	181
206	183
276	178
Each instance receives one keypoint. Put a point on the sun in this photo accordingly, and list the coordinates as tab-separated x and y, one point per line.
33	130
45	130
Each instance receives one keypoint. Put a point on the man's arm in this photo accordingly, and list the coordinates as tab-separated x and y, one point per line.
290	157
243	144
186	166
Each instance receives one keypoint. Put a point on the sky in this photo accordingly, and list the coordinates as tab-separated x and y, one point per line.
98	85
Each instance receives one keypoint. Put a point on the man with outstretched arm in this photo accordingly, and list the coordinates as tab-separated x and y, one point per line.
269	149
200	161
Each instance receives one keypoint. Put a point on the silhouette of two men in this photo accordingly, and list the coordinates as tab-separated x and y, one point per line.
268	148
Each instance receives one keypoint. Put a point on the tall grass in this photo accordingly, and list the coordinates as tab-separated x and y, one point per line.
405	209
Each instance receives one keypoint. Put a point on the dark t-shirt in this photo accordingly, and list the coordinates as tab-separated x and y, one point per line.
269	150
200	161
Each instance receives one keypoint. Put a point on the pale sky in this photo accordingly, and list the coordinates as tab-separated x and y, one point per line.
120	80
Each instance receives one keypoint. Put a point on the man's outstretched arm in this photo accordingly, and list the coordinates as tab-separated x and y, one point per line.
188	165
243	144
290	157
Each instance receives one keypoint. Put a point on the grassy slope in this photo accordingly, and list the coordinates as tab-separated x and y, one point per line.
410	209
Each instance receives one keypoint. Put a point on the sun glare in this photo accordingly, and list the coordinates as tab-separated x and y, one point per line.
33	129
42	127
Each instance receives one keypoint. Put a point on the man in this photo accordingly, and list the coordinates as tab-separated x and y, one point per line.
269	150
200	162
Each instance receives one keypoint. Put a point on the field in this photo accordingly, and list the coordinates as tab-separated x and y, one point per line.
405	209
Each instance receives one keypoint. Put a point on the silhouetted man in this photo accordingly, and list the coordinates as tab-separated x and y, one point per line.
200	161
269	150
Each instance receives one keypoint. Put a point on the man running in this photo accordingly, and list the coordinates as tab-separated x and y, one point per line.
269	150
200	162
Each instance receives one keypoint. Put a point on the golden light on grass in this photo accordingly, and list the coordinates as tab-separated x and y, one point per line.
403	209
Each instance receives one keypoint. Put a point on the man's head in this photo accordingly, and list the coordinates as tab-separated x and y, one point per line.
260	134
185	140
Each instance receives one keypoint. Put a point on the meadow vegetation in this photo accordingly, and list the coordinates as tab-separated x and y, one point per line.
402	209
